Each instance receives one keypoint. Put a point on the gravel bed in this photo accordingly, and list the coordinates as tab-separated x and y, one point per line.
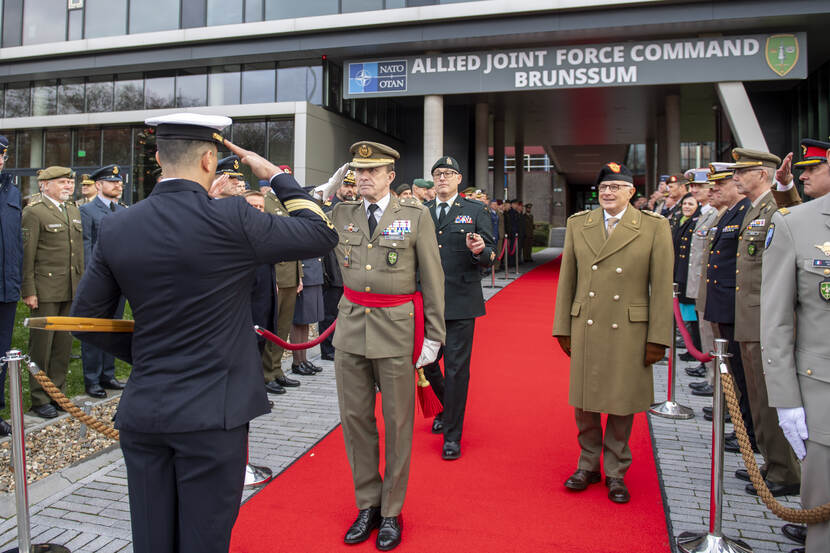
56	446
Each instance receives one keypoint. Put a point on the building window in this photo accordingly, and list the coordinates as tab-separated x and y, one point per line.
191	90
224	12
105	18
281	141
45	98
99	95
129	93
75	29
258	83
44	21
154	15
284	9
116	145
58	148
71	96
2	96
18	100
159	92
361	5
87	150
254	10
223	85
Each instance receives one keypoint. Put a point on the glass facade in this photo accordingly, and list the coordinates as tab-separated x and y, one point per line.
52	20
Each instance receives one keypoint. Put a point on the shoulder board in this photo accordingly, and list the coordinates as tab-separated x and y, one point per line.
578	214
784	211
34	202
327	203
652	214
412	202
122	204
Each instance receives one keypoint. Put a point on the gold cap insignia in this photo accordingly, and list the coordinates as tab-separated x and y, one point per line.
614	167
735	155
236	164
803	150
218	137
449	161
115	170
364	151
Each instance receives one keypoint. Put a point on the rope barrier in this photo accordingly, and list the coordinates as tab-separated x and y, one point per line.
271	337
687	339
804	516
503	248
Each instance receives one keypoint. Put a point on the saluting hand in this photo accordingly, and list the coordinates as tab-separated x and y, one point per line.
218	186
261	167
475	243
784	173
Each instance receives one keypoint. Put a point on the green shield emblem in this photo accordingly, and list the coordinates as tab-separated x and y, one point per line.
782	53
824	288
392	257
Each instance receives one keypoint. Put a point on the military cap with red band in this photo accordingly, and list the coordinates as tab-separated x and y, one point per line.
813	152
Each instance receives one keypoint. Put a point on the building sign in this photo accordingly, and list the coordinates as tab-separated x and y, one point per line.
679	61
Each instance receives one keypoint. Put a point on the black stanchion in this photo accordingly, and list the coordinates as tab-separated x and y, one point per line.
714	541
13	359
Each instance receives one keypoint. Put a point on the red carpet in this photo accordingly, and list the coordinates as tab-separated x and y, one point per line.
505	493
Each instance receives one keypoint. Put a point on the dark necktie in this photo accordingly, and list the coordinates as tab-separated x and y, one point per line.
112	207
442	212
373	223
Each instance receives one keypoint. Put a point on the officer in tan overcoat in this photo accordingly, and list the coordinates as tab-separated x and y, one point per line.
614	319
53	262
384	242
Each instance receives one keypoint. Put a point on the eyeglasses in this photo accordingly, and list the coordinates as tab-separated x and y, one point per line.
612	187
5	157
444	174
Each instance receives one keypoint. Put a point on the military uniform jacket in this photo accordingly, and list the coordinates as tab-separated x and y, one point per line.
614	296
53	251
331	267
289	274
748	268
795	316
386	263
463	298
698	248
720	268
92	213
187	264
682	239
11	245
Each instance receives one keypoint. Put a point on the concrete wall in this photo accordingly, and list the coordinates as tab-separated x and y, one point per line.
538	190
322	139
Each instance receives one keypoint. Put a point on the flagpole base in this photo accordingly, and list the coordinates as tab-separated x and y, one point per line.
257	476
671	410
689	542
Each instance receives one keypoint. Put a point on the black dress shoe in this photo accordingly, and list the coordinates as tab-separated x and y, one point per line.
366	521
96	391
438	424
327	357
617	492
730	444
5	428
580	480
301	369
686	356
57	406
705	391
312	366
707	414
698	385
697	372
795	532
274	387
46	411
797	550
776	489
112	384
389	535
451	451
743	474
286	382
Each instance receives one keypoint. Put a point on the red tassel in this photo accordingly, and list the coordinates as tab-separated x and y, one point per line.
429	402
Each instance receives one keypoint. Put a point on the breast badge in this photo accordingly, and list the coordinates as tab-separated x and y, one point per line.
825	248
391	257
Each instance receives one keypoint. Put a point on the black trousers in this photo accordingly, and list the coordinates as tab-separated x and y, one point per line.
451	389
185	488
727	332
331	297
7	311
99	366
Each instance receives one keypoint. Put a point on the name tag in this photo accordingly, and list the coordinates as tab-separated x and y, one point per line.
54	225
821	262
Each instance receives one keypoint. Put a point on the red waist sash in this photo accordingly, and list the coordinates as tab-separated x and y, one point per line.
369	299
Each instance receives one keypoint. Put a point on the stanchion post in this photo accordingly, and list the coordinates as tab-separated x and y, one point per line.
714	541
516	247
506	254
13	359
670	409
87	408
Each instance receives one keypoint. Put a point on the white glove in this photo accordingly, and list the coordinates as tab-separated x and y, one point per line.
793	423
429	352
325	191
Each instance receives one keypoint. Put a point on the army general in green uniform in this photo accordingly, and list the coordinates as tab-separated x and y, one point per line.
53	262
384	242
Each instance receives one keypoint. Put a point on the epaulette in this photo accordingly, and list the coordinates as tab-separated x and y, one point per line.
577	214
34	201
652	214
411	202
122	204
783	211
327	203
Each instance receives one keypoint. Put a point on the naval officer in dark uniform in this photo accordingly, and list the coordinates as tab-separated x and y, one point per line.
186	264
465	242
